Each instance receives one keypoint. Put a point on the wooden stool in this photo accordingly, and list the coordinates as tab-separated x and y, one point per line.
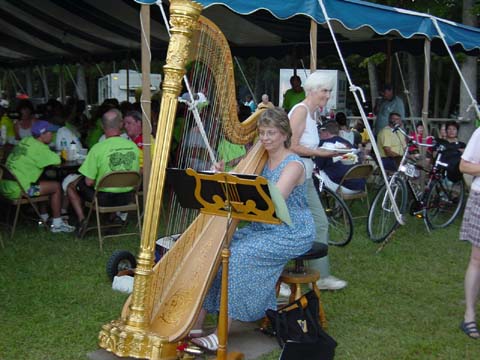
302	275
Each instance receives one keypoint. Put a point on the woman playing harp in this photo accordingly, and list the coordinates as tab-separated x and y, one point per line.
166	300
260	251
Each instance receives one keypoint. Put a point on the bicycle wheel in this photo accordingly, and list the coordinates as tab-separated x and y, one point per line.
381	217
444	202
340	223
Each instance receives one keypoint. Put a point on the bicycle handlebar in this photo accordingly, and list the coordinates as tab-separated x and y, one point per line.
411	140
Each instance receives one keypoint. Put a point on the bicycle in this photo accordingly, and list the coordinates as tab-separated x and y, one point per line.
340	222
438	204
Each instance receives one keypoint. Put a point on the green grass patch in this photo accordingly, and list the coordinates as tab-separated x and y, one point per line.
405	302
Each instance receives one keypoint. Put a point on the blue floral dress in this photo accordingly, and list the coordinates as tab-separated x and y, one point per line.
259	253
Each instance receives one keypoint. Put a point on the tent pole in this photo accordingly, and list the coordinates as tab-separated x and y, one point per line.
354	89
313	46
145	99
128	76
426	83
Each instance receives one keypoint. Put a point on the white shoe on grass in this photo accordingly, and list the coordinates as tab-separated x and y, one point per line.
62	228
331	283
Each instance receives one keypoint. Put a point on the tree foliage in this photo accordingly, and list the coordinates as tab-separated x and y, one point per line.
447	9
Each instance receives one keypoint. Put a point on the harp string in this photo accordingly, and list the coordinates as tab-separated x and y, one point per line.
192	151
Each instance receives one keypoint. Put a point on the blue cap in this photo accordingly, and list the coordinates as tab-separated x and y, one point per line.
40	127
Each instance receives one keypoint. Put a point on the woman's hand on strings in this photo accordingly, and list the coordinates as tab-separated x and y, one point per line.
218	166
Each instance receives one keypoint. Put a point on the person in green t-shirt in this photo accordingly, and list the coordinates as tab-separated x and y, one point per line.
27	161
8	123
230	153
113	154
294	95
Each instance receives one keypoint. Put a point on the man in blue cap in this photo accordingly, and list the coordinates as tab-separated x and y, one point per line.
27	161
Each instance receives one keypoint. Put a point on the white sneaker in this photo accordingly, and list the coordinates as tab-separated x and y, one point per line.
63	227
331	283
284	290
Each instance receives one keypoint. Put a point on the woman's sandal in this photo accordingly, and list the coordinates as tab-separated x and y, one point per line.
209	343
470	328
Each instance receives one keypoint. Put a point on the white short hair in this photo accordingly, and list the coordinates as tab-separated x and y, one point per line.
318	80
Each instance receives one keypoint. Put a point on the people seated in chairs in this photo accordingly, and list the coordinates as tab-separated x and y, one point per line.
332	170
23	125
451	141
260	251
6	122
27	161
345	131
453	151
114	154
132	122
419	136
391	145
70	132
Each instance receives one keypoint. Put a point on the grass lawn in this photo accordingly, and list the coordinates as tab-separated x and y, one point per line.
403	303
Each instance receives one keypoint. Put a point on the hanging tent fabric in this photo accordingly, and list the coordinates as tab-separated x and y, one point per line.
361	19
59	31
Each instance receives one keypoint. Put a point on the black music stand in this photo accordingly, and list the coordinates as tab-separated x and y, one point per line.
235	196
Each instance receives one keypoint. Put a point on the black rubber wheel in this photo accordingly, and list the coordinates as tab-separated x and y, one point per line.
381	218
340	222
119	261
444	203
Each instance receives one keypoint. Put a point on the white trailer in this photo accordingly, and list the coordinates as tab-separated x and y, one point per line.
115	85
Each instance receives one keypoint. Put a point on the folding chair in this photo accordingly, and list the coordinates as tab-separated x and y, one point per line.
121	179
24	199
357	172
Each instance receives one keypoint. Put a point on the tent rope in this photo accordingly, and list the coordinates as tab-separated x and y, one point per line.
396	211
405	90
245	79
73	80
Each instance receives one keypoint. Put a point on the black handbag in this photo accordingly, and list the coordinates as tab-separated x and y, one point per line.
298	330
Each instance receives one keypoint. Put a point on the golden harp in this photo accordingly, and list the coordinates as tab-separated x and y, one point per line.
167	299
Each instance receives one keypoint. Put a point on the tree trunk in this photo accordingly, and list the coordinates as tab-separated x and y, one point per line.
373	79
81	83
413	86
258	82
43	74
438	86
29	81
449	95
469	72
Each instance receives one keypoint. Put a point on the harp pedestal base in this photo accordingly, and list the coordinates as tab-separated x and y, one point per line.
122	341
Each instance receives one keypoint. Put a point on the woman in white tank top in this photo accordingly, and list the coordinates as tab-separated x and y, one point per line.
23	126
305	143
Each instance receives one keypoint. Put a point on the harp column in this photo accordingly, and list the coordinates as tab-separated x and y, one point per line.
131	337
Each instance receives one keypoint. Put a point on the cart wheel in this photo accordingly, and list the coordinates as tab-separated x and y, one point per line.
119	261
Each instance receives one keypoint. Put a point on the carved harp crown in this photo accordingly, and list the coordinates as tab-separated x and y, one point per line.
166	300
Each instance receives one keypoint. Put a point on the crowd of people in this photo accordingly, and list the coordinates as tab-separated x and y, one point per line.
37	138
296	141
